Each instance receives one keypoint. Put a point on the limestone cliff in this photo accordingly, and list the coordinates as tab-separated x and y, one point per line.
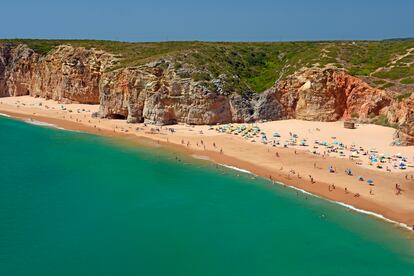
329	95
402	114
158	92
154	93
65	74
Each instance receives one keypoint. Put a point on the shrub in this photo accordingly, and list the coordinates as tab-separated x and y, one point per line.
407	81
201	76
382	120
403	96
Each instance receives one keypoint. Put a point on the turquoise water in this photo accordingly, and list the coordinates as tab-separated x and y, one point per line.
78	204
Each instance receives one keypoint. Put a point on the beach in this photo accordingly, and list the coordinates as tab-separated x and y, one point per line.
310	167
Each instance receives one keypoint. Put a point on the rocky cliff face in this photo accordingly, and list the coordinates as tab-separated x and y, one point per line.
329	95
17	67
157	93
402	114
65	74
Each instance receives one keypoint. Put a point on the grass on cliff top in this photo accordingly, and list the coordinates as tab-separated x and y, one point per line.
255	66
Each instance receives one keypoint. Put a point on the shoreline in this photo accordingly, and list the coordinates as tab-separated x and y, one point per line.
398	211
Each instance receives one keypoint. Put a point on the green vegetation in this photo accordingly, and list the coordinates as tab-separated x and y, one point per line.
407	81
387	85
382	120
403	96
256	66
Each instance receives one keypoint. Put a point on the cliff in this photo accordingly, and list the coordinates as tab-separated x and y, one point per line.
402	114
330	95
65	74
162	92
155	93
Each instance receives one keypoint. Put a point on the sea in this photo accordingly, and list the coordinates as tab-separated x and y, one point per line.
73	203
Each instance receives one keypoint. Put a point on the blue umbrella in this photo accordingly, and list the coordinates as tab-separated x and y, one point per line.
370	182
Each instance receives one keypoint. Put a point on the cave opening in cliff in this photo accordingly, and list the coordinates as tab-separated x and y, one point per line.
118	117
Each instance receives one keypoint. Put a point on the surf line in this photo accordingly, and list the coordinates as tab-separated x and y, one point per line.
345	205
5	115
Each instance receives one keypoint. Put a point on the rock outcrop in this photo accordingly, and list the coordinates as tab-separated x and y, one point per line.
160	93
156	94
402	114
329	95
17	68
65	74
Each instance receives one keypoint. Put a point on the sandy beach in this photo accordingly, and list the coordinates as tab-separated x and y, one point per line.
324	159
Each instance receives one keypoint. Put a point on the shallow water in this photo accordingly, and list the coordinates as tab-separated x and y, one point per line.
79	204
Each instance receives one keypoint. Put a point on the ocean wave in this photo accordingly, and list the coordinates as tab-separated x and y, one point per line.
403	225
235	168
348	206
355	209
201	157
302	191
43	124
5	115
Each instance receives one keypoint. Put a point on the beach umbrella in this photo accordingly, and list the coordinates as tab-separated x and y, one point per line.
370	182
360	178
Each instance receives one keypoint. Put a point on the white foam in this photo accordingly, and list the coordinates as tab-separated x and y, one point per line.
201	157
403	225
43	124
348	206
303	191
5	115
236	169
353	208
